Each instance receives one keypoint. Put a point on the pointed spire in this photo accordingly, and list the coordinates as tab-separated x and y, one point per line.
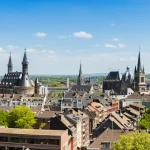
80	78
80	70
36	80
135	70
25	63
10	65
139	68
25	56
143	69
10	61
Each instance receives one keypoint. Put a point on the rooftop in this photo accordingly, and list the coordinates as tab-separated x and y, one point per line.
31	132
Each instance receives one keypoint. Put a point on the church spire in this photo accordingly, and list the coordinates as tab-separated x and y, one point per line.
80	77
143	69
10	65
25	63
139	68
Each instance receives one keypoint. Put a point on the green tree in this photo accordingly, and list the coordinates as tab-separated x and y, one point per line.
145	121
4	118
133	141
21	117
42	125
60	94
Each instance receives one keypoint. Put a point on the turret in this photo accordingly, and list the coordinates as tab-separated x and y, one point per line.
135	70
10	65
25	64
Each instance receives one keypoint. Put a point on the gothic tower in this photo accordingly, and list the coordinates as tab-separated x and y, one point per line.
25	64
139	77
80	77
10	65
37	86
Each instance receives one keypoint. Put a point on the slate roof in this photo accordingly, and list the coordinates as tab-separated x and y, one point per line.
85	88
11	78
25	81
70	94
113	75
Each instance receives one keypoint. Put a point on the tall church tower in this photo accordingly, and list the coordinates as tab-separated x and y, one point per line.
25	64
80	77
10	65
139	77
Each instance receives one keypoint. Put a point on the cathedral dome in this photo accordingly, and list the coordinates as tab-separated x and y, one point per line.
127	76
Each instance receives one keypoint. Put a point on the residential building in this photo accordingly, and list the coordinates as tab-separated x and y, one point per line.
114	121
34	139
59	122
105	140
31	100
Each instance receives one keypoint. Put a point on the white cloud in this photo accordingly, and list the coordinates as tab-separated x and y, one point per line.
121	46
116	39
113	24
82	34
96	45
12	47
40	34
110	46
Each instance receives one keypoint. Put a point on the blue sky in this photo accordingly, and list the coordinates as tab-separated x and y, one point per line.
103	34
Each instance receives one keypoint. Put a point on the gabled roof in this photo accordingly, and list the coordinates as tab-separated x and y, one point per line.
11	78
85	88
108	136
113	75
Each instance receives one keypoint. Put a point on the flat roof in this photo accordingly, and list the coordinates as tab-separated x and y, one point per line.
32	132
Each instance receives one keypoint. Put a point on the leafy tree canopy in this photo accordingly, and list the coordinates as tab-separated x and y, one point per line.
4	118
133	141
145	121
21	117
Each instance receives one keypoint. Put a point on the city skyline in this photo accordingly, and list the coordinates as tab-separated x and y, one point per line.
58	34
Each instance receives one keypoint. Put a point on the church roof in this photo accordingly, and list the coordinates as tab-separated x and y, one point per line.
85	88
11	78
25	81
113	75
127	76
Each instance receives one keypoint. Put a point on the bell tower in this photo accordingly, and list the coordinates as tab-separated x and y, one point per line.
139	77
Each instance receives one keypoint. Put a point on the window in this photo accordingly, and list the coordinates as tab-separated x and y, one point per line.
142	79
105	144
